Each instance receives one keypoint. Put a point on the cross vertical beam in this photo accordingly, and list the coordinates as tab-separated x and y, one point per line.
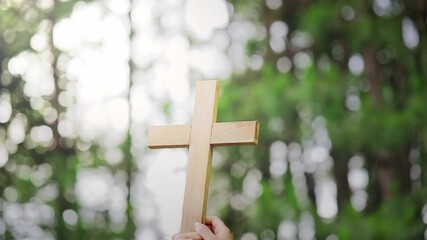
200	154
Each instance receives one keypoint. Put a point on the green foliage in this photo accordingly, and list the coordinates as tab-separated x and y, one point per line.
376	113
387	125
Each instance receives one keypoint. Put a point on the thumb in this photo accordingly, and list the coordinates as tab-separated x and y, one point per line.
204	231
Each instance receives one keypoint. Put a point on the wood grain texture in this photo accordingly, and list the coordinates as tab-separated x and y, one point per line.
200	155
223	134
235	133
173	136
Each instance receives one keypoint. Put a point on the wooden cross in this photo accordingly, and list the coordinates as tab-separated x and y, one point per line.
199	138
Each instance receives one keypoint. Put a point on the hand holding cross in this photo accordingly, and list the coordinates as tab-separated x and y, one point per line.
199	138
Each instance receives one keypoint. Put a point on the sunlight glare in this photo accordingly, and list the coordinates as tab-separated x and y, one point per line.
142	14
287	230
118	6
177	53
42	135
4	155
141	106
92	188
118	114
356	65
204	16
5	111
410	33
211	62
16	131
168	169
70	217
326	190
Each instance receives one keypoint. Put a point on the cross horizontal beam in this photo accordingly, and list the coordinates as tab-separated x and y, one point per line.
223	134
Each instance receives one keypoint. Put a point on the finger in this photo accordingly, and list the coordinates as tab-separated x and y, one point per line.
175	237
179	237
190	235
214	221
217	224
204	231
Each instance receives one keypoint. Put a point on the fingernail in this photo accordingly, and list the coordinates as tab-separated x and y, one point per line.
197	225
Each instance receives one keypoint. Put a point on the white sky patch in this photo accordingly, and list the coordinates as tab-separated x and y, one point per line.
92	188
143	13
382	7
210	62
177	53
118	6
83	26
5	111
101	69
356	65
326	199
410	33
166	180
140	104
279	29
145	49
4	155
287	230
204	16
273	4
16	131
118	114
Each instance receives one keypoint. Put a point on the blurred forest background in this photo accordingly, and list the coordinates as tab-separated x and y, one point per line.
339	88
